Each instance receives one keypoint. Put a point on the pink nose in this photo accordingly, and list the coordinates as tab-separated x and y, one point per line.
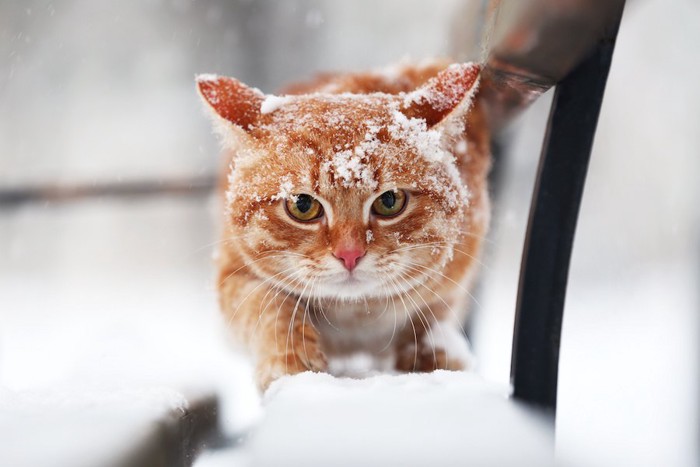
349	257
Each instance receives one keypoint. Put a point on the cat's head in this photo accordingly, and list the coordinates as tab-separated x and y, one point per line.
345	195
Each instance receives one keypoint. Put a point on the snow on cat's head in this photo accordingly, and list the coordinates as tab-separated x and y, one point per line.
345	195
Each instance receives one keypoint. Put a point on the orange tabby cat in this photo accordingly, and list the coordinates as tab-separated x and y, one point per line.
355	208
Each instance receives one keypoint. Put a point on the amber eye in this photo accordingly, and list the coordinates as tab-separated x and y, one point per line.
389	203
304	208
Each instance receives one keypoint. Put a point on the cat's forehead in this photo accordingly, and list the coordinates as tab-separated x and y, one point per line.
334	120
336	125
348	141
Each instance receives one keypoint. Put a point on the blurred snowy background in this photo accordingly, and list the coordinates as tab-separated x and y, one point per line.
108	294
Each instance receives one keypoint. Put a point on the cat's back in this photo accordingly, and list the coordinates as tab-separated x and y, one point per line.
393	79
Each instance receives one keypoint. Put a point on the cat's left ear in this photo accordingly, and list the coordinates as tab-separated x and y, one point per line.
231	100
446	96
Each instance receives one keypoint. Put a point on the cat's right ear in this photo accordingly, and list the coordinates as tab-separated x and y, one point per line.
232	102
445	97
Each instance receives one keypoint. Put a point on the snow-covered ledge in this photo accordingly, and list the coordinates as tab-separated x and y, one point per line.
131	426
442	418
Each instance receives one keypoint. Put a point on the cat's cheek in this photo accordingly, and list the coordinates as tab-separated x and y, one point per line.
253	237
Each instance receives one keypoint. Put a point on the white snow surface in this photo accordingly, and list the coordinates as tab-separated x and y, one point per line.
87	426
441	418
118	340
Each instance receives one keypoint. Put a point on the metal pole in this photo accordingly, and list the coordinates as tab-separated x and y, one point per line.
553	215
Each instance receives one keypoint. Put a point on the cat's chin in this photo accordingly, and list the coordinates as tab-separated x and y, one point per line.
358	287
349	287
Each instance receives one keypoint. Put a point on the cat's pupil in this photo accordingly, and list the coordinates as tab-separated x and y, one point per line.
304	203
388	199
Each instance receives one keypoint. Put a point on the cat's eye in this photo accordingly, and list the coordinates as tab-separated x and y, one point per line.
304	208
390	203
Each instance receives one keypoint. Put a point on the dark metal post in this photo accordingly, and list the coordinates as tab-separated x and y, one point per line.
550	234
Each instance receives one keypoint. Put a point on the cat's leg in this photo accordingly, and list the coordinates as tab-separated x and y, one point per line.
275	325
431	345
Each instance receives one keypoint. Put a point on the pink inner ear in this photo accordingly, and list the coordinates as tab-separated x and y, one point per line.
440	95
231	99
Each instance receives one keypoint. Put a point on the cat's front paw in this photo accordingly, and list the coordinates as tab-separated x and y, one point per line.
425	359
442	347
273	367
